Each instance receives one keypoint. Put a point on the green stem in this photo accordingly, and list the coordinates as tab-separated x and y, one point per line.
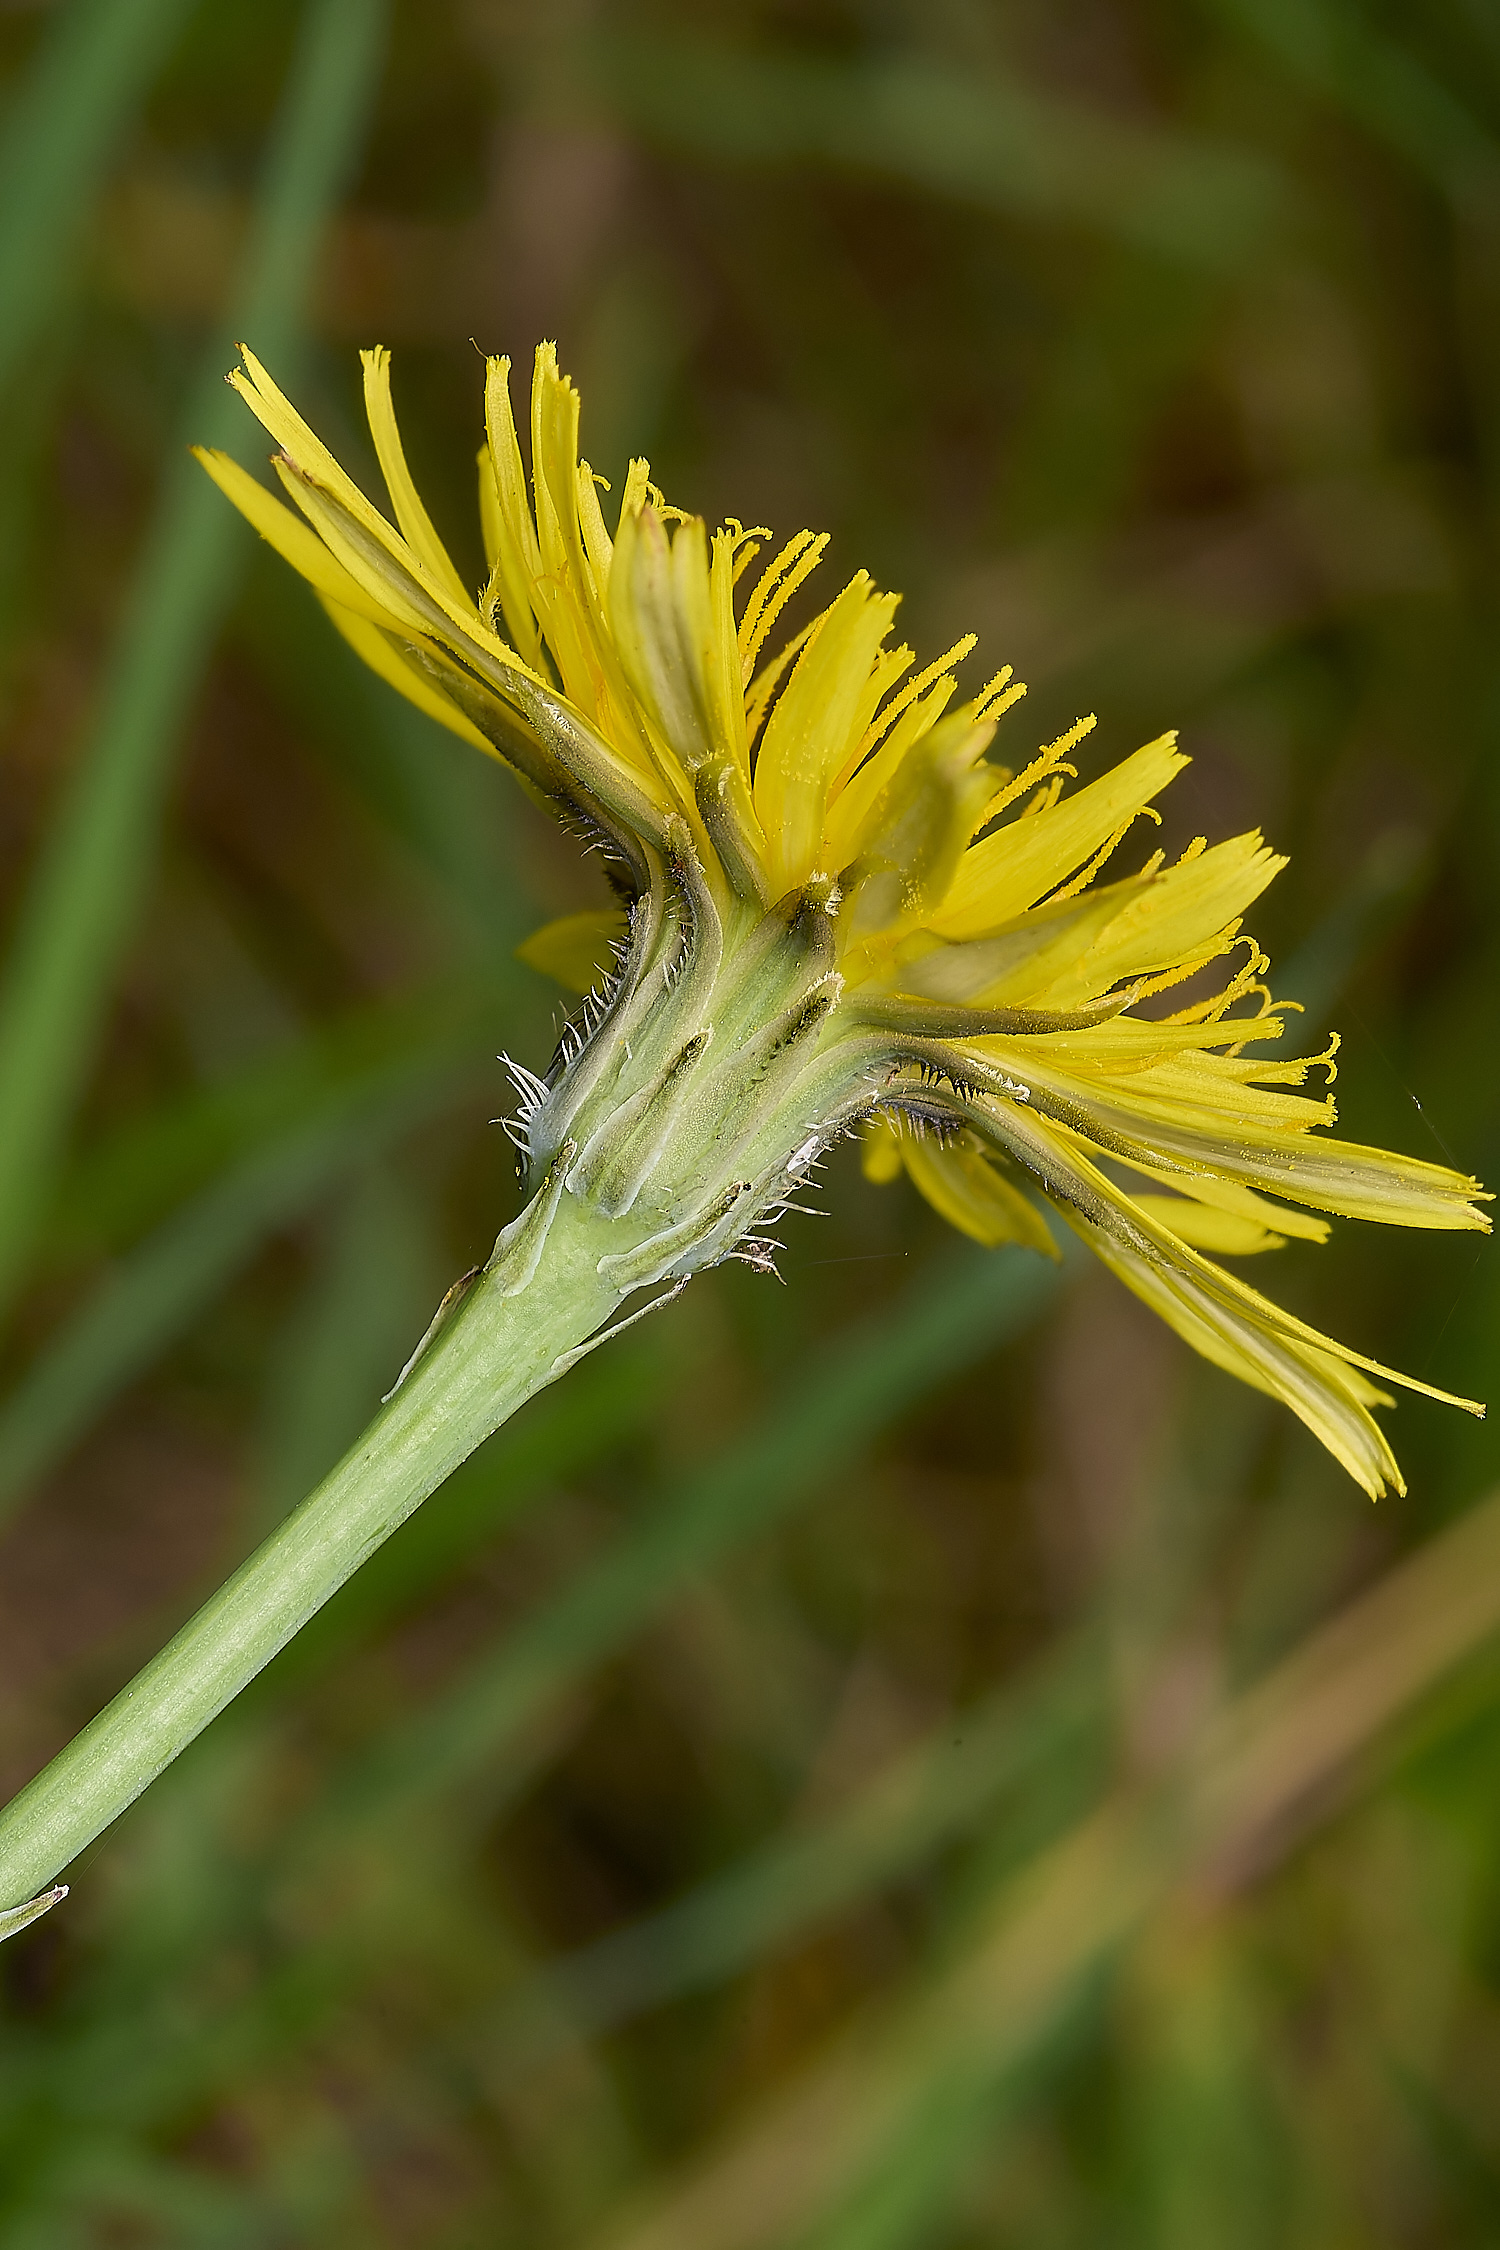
517	1329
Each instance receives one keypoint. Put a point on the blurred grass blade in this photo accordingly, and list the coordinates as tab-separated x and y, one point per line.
978	137
1342	53
376	1273
973	1303
153	1294
132	1178
934	1792
97	859
1387	879
823	2164
63	124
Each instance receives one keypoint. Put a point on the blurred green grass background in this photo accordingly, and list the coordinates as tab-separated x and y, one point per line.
910	1757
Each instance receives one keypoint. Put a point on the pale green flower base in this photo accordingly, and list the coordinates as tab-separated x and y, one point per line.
518	1328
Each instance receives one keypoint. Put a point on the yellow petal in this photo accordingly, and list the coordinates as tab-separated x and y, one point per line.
1220	1314
1229	1196
1021	958
726	694
379	571
597	544
911	840
489	510
390	568
1182	912
411	515
275	412
1018	864
971	1192
515	566
565	588
389	579
880	1149
1132	1043
370	644
661	618
807	735
307	454
1331	1398
849	810
1162	1117
293	539
1227	1232
578	950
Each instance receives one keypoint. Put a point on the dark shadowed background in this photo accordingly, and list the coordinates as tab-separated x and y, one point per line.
819	1780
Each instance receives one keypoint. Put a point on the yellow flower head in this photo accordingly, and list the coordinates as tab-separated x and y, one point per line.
835	911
